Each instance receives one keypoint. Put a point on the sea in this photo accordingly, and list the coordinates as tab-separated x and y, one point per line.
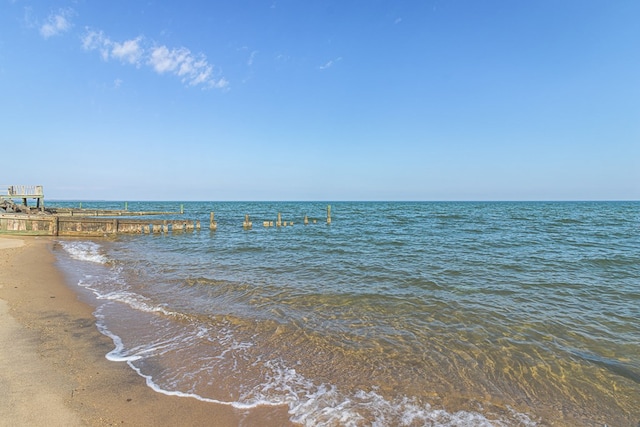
392	314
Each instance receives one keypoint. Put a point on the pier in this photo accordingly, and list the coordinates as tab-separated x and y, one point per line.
24	192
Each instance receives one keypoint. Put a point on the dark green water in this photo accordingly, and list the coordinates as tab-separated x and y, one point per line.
395	314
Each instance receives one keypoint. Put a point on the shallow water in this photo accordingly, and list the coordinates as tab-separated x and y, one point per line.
395	314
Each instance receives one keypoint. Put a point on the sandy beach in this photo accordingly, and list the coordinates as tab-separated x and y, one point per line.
53	370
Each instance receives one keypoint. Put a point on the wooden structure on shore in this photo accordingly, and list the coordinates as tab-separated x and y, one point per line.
24	192
102	223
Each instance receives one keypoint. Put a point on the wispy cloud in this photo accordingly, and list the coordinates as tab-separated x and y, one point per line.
330	63
57	23
192	69
96	40
251	58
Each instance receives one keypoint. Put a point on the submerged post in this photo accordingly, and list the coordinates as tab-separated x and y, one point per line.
328	214
212	223
246	224
306	220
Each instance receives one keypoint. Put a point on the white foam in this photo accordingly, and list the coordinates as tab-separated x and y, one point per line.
84	251
311	404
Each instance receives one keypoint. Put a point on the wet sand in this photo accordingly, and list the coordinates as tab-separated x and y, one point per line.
53	370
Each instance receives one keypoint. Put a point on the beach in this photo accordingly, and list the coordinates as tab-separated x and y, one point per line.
53	370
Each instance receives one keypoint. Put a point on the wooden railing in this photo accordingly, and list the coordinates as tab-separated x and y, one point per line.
19	191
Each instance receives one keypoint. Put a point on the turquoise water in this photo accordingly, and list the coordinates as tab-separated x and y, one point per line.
395	314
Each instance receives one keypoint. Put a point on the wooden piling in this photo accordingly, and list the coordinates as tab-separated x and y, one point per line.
306	220
54	226
279	222
212	222
328	214
246	224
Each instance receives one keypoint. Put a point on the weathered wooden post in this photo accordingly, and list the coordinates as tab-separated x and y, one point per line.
198	225
328	214
246	224
212	223
279	222
54	226
306	220
126	206
181	208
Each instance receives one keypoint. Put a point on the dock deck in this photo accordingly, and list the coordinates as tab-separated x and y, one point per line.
24	192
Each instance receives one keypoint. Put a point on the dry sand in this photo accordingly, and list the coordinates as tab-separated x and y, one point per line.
53	370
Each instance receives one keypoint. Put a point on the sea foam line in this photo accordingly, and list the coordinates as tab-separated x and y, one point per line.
84	251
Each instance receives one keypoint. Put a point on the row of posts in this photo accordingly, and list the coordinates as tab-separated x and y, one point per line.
247	224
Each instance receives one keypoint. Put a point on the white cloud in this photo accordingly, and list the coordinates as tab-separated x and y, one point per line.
163	60
193	70
57	23
130	51
96	40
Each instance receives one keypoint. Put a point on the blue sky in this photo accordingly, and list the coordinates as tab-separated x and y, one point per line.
321	100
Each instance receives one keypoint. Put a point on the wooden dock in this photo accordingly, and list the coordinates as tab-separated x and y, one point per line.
24	192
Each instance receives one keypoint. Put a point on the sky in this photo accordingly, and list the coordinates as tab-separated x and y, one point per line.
321	100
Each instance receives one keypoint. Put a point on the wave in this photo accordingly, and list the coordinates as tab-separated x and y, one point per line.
84	251
309	403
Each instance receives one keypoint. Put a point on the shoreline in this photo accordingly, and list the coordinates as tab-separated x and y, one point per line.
52	358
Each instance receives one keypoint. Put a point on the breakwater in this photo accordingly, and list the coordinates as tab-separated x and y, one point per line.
56	225
101	222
